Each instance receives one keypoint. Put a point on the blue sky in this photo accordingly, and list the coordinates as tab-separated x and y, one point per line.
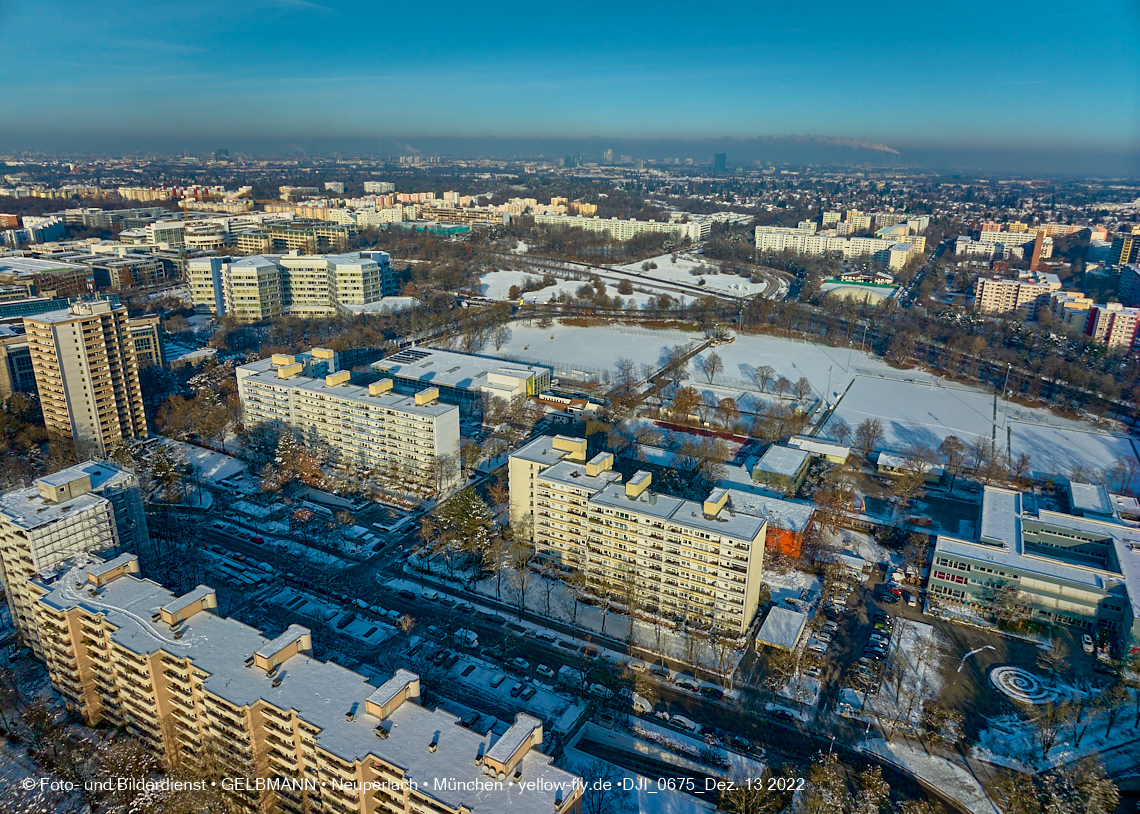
1043	77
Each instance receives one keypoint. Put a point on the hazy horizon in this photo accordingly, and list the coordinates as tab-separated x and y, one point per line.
1035	89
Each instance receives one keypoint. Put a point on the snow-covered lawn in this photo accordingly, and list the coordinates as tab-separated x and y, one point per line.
956	782
591	350
681	272
553	600
497	286
213	466
802	588
1010	740
914	412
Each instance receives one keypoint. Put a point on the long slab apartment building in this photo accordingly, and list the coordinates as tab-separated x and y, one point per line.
200	689
699	561
1081	570
893	249
258	287
368	426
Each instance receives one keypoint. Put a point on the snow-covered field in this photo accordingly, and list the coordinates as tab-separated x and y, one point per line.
570	349
497	286
914	413
914	406
213	466
681	272
793	585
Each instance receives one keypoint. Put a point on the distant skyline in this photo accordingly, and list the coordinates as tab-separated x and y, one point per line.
1045	87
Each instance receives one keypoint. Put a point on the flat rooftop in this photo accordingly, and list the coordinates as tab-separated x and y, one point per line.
781	460
790	515
31	265
782	628
264	372
459	370
322	693
28	510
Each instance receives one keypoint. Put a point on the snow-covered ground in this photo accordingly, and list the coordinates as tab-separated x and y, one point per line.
575	350
681	272
956	782
1009	739
213	466
794	585
917	412
914	406
497	286
558	602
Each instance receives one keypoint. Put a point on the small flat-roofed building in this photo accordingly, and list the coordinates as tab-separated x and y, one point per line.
788	520
1090	500
463	379
824	448
895	465
782	468
782	628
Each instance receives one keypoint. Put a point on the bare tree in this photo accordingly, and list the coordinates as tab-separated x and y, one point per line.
762	376
712	365
868	435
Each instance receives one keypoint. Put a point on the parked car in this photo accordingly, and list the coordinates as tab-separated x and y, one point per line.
600	691
686	684
813	671
831	627
715	693
638	666
681	722
497	681
544	671
430	596
528	693
889	598
911	600
823	636
784	715
466	607
516	690
1087	643
661	672
519	663
405	593
257	538
450	661
741	743
546	636
816	646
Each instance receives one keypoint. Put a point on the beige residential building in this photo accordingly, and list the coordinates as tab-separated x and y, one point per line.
896	252
303	736
370	426
87	373
626	229
701	562
998	295
251	289
92	507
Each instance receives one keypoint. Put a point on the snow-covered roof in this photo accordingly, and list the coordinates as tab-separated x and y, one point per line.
780	460
782	628
820	446
891	461
459	370
1090	498
1001	516
790	515
322	693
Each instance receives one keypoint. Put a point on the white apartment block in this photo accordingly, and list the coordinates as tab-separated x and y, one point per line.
697	561
626	229
368	427
997	295
805	240
267	286
89	507
196	689
378	187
